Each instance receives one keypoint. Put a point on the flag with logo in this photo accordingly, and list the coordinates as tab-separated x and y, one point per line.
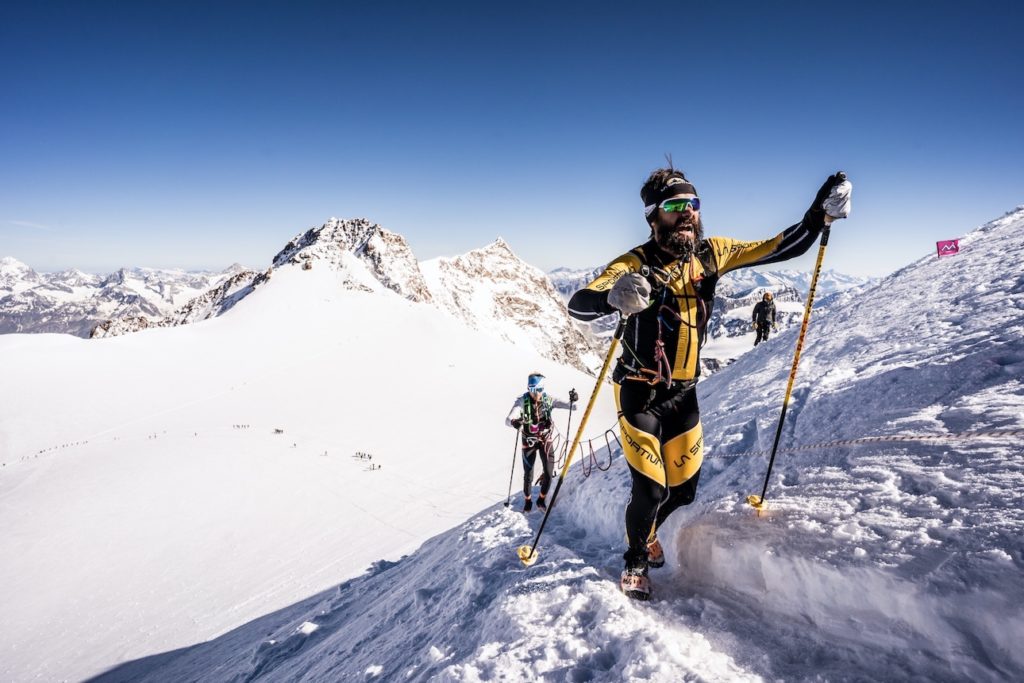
948	247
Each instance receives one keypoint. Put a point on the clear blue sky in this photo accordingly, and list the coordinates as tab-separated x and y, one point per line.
179	134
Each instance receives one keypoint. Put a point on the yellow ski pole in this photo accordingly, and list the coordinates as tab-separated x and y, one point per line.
758	501
528	553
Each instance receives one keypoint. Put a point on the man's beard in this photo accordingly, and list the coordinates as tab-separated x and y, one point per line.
677	245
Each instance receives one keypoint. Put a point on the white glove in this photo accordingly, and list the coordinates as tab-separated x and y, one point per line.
838	202
631	294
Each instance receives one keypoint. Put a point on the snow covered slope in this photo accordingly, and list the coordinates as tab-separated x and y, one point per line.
878	561
148	502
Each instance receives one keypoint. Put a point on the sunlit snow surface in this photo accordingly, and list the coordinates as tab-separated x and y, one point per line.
147	504
872	562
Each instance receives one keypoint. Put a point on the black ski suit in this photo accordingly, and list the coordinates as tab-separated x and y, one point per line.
764	319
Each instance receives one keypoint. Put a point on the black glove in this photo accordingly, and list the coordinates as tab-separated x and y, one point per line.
517	423
817	211
573	396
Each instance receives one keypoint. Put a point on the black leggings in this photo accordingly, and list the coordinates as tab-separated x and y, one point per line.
762	332
664	413
530	452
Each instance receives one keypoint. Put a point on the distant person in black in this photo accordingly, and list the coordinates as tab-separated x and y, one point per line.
764	315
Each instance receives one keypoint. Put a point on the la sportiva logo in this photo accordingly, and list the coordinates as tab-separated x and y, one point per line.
947	247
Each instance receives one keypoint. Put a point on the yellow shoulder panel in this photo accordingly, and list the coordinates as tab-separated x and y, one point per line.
731	254
627	263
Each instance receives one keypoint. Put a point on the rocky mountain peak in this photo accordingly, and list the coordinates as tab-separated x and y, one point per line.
11	263
493	290
385	253
13	273
73	277
499	245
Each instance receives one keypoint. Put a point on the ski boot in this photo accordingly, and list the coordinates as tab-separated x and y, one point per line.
528	505
655	554
541	503
635	584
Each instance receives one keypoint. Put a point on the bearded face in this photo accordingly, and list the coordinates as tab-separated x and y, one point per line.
677	233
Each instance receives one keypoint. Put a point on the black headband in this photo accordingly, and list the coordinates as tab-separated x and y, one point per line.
672	187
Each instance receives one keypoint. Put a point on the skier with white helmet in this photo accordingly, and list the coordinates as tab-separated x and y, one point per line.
531	415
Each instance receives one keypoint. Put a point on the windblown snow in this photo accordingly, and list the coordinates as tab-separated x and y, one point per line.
157	529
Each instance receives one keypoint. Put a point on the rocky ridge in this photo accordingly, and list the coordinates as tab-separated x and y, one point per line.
494	290
386	254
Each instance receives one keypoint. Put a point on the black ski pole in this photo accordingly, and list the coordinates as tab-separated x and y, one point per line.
758	501
515	447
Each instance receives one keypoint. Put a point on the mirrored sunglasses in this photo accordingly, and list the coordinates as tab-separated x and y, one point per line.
680	204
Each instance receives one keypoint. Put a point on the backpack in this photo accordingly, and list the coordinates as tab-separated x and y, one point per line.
546	406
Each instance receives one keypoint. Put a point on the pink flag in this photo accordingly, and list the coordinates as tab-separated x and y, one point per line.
948	247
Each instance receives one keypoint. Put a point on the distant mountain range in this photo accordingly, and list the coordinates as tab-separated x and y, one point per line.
489	289
74	302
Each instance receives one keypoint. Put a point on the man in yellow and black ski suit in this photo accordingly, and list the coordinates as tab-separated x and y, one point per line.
666	286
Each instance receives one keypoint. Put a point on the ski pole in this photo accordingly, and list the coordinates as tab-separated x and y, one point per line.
758	501
515	447
568	426
528	553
